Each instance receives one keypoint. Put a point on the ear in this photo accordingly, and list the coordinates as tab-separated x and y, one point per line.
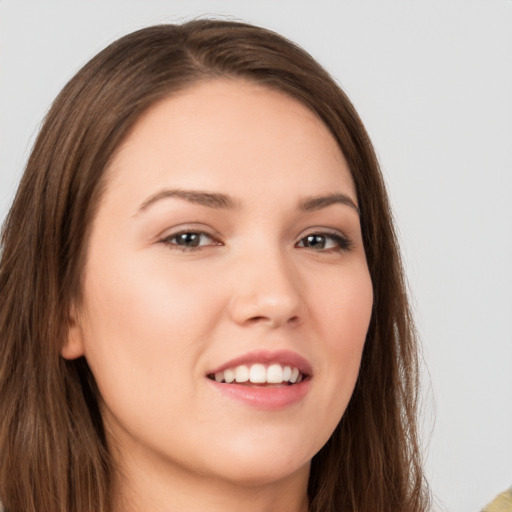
74	345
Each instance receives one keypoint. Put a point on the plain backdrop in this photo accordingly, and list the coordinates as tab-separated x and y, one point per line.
432	82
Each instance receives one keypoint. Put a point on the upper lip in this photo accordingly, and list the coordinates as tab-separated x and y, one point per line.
267	357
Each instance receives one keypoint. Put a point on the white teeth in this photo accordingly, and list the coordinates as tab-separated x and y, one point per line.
229	376
241	374
275	374
260	374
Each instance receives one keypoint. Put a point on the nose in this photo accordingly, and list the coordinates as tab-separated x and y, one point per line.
267	291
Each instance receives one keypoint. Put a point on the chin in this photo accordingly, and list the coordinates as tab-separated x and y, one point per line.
250	473
264	460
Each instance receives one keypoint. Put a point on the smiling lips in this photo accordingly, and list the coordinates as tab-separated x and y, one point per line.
265	380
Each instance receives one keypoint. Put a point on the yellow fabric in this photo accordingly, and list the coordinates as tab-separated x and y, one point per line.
502	503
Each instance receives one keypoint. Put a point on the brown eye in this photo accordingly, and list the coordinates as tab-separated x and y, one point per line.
190	240
324	242
314	241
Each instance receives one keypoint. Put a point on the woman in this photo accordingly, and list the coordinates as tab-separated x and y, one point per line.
202	300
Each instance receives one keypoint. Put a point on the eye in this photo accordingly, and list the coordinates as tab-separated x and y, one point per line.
190	240
325	242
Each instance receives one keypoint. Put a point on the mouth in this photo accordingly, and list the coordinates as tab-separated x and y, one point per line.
264	380
258	374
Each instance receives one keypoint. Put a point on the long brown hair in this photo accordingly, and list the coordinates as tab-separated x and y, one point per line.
53	453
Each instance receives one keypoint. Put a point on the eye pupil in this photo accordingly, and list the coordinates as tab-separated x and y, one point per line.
188	239
315	241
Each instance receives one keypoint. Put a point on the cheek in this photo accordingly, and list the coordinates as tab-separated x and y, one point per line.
142	331
343	316
343	305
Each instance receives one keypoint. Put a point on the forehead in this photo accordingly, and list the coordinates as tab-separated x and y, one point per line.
224	133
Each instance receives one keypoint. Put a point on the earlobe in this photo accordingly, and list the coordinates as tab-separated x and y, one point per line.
73	346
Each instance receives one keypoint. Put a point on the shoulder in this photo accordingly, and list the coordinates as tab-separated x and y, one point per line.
502	503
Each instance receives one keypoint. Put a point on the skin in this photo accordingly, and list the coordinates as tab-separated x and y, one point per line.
156	318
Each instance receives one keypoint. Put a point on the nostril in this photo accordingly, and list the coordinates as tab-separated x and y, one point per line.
256	319
292	321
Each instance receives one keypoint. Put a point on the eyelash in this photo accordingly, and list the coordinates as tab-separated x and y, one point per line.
184	248
341	243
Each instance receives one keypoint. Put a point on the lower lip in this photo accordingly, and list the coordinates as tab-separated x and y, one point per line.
268	398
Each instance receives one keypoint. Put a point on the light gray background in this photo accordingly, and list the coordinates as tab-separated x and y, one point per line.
433	84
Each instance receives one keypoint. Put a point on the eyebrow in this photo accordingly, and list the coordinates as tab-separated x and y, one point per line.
222	201
319	202
209	199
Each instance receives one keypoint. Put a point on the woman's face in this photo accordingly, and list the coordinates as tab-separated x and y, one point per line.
227	245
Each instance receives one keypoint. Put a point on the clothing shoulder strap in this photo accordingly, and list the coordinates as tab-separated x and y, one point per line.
502	503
